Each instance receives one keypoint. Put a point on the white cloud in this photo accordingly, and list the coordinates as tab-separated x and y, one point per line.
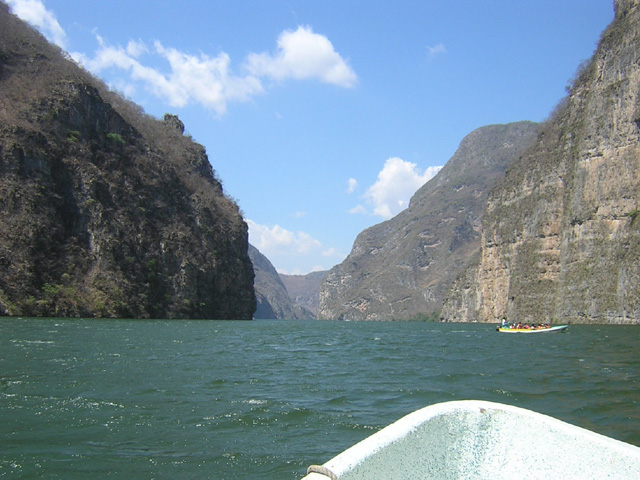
278	240
397	182
435	51
136	48
209	81
35	13
293	253
200	79
301	55
352	185
358	209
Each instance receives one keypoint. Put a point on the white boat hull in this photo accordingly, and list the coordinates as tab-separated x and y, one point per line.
482	440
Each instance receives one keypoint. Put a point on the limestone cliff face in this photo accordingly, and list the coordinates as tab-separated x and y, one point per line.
560	235
103	210
401	269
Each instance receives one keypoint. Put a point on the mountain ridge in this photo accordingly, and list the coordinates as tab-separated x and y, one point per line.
402	268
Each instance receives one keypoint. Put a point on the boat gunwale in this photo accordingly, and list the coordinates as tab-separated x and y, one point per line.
370	446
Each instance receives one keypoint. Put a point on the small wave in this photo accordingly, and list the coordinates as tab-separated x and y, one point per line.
91	404
501	391
340	400
255	401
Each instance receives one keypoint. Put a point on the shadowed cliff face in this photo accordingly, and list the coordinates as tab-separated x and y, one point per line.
103	210
560	236
272	298
401	269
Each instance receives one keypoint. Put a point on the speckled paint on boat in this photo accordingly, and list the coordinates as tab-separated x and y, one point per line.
481	440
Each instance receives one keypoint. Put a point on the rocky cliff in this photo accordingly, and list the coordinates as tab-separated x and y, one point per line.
304	290
105	211
561	234
272	297
401	269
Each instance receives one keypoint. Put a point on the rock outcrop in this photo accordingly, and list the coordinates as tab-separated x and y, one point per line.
105	211
402	269
561	234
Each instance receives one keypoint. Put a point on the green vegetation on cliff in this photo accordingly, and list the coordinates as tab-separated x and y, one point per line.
105	211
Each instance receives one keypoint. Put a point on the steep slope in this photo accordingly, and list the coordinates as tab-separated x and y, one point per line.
402	268
103	210
560	237
304	290
272	298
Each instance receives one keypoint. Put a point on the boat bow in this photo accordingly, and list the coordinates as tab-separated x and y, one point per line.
482	440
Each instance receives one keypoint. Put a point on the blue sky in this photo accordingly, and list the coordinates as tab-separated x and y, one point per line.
322	118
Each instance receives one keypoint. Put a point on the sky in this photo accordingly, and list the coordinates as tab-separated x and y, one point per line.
322	118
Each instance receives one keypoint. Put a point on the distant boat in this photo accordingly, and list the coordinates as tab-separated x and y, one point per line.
474	439
557	328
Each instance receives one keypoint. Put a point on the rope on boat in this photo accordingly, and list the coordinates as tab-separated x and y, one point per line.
322	471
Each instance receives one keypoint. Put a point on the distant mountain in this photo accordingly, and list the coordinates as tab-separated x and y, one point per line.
304	290
105	211
561	234
402	269
272	298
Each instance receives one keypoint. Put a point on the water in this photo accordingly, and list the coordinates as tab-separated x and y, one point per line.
137	399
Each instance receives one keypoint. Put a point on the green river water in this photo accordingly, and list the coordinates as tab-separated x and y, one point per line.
154	399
